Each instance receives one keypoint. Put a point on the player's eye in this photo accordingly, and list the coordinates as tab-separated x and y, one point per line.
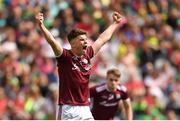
113	80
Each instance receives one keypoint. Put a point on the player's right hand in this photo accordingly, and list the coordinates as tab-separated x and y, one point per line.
39	18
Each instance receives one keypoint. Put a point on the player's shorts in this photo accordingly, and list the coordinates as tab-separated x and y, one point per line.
69	112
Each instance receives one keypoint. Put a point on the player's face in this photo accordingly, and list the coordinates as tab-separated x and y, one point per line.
80	43
112	82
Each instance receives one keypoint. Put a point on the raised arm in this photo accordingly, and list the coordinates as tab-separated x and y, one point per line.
128	109
118	19
57	48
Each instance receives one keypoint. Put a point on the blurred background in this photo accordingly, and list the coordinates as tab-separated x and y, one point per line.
146	50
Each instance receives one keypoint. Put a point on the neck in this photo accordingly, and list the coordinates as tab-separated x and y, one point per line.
110	89
75	52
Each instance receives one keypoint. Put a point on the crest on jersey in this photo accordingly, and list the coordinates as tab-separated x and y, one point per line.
118	96
85	60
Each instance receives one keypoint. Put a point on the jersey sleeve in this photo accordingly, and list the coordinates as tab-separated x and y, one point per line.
62	58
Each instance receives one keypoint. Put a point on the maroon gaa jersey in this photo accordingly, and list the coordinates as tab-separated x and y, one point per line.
105	103
74	72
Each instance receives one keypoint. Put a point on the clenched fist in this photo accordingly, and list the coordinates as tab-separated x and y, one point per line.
39	18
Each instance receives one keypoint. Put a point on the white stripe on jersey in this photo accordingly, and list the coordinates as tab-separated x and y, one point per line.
104	87
122	88
101	88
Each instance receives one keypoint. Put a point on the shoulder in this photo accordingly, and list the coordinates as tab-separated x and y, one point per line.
101	87
122	88
66	52
65	57
123	91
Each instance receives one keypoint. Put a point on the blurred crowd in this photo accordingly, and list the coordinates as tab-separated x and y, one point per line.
146	50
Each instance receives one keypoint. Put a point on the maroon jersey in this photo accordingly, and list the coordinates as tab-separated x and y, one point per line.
105	103
74	72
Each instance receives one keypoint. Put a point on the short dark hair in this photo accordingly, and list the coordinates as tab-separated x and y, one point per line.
74	33
114	71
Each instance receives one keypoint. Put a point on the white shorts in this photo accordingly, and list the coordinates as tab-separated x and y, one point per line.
69	112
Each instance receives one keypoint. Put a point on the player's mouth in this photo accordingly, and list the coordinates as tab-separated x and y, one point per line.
84	47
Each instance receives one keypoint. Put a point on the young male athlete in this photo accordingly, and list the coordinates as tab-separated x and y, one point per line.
74	68
106	98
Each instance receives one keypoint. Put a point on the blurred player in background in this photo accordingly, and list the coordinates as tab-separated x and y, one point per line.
74	68
106	97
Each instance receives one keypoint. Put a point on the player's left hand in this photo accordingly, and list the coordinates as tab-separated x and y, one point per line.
118	18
